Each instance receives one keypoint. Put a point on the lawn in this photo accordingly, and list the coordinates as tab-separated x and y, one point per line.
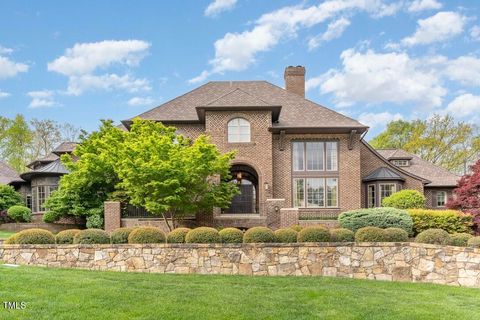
79	294
5	234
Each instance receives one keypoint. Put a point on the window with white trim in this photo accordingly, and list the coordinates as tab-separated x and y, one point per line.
238	130
441	198
401	163
386	190
371	196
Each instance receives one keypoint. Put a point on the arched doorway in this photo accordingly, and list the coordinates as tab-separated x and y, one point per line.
247	180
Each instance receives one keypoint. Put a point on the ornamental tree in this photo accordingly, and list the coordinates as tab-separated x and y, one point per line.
9	197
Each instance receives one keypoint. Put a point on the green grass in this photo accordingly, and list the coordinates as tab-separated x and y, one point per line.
5	235
79	294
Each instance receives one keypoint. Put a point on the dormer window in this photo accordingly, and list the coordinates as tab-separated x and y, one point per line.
238	130
401	163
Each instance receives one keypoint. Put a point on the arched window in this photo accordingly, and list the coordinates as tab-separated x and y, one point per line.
238	130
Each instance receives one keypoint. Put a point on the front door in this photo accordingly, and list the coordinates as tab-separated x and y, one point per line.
243	202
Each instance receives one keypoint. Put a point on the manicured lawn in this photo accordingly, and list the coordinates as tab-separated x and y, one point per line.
78	294
5	234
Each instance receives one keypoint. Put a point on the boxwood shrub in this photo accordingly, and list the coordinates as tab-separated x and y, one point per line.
296	227
451	221
259	235
12	239
395	235
314	234
20	213
370	234
460	239
120	235
203	235
376	217
405	199
177	235
474	242
342	235
433	236
286	235
92	236
66	236
34	236
231	235
144	235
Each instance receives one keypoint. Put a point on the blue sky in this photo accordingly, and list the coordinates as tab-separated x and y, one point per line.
374	60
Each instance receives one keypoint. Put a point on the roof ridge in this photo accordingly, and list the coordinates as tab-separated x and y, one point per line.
232	91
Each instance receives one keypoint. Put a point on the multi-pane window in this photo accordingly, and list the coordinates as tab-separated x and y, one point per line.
319	156
400	163
386	190
315	155
298	156
42	196
299	193
441	198
332	156
238	130
39	195
332	192
315	192
320	192
371	196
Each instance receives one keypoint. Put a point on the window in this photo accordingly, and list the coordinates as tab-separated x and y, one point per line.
298	193
39	195
332	159
298	156
317	154
441	198
332	192
386	190
315	192
401	163
238	130
320	192
371	196
28	201
42	196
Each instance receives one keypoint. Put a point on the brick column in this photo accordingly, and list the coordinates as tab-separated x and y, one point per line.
288	217
272	207
112	215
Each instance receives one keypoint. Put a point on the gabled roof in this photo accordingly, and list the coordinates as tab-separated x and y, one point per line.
383	173
237	98
395	154
55	168
8	174
65	147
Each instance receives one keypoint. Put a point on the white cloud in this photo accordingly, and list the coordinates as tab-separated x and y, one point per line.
108	82
465	105
139	101
378	119
41	99
4	50
200	78
464	69
4	94
421	5
10	68
219	6
475	33
335	30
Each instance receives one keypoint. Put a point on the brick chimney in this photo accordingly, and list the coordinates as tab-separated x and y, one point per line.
295	80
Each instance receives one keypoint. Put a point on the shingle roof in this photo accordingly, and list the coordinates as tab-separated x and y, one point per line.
438	176
47	159
382	173
395	154
53	168
65	147
296	111
8	174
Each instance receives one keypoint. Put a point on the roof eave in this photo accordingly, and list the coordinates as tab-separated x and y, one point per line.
299	129
274	109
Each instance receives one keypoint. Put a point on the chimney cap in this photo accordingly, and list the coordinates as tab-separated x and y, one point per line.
294	71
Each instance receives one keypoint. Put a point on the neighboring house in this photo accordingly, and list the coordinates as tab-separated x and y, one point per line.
292	154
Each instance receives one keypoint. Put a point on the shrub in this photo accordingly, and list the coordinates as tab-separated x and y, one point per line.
286	235
474	242
341	235
4	218
120	235
259	235
66	236
91	236
177	235
49	217
449	220
143	235
34	236
296	227
433	236
395	235
405	199
9	197
370	234
95	221
313	234
203	235
376	217
12	239
20	213
231	235
460	239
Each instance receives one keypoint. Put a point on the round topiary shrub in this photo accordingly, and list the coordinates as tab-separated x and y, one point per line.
342	235
92	236
259	235
313	234
376	217
12	239
460	239
370	234
34	236
474	242
203	235
20	213
66	236
433	236
143	235
120	235
405	199
296	227
177	235
286	235
395	235
231	235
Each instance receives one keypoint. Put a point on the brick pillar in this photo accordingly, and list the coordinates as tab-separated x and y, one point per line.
112	215
272	207
288	217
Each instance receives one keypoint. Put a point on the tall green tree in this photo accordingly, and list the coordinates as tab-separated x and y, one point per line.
439	139
46	136
17	142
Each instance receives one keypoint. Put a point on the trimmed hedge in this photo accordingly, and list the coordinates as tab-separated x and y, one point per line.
259	235
474	242
66	236
34	236
395	235
296	227
92	236
405	199
12	239
370	234
342	235
376	217
177	235
451	221
460	239
144	235
120	235
314	234
20	213
231	235
203	235
286	235
433	236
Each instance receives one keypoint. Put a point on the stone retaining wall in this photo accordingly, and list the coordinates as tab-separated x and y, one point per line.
381	261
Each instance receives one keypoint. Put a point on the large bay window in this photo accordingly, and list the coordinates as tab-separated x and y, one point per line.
316	155
39	195
315	192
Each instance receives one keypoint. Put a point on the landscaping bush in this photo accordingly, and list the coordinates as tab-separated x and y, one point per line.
296	227
120	235
286	235
20	213
34	236
449	220
376	217
9	197
12	239
395	235
231	235
341	235
91	236
370	234
460	239
259	235
177	235
143	235
405	199
474	242
66	236
4	218
203	235
433	236
49	217
313	234
95	221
